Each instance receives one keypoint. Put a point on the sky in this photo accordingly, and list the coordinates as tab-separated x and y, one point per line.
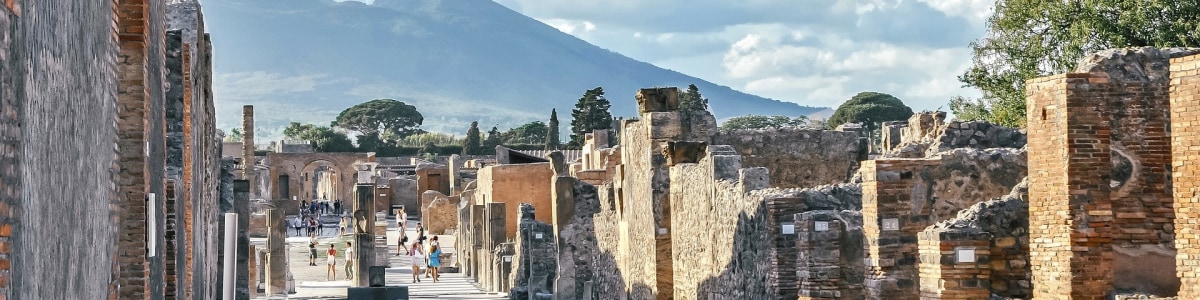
813	52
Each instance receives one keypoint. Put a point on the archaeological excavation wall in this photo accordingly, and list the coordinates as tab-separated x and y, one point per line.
797	157
513	185
75	80
1185	156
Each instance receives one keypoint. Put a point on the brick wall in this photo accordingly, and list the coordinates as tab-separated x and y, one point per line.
955	264
1070	212
1185	139
132	98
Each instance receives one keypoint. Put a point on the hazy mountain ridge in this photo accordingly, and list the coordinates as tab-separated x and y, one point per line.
457	61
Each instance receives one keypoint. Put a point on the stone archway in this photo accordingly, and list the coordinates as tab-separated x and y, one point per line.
310	176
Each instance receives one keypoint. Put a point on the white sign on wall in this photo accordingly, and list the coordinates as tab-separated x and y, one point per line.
508	258
151	229
789	228
891	224
537	235
964	254
662	230
821	226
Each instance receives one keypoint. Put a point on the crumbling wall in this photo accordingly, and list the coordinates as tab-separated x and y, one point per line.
58	94
829	263
535	259
439	214
514	184
1006	221
968	176
927	135
797	157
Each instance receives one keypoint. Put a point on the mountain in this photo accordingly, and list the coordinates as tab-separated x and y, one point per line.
457	61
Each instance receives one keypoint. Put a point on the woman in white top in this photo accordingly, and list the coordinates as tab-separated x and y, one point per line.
418	259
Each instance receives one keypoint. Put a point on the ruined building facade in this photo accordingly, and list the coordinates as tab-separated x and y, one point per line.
109	151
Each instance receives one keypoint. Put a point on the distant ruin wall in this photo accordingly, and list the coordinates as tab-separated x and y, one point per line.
797	158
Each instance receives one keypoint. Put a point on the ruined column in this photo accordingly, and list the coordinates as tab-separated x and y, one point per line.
1070	209
476	243
241	206
454	164
955	264
536	259
364	233
894	212
494	234
276	255
248	144
1185	156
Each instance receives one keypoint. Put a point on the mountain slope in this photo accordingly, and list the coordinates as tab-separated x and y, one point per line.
457	61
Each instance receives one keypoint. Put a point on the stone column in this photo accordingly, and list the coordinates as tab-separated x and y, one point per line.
241	205
248	144
276	253
364	233
455	162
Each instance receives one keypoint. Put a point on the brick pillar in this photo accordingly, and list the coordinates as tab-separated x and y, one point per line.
248	144
241	205
955	264
1185	155
826	246
895	210
189	177
782	213
1070	209
132	95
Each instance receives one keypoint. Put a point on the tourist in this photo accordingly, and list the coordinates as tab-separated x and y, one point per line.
433	244
331	274
403	241
341	226
296	224
417	260
349	260
312	226
337	207
435	260
312	252
420	231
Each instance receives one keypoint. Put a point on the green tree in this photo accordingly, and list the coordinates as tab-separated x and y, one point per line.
380	118
1027	39
235	135
493	140
761	122
691	100
323	139
870	108
474	141
591	113
529	133
552	138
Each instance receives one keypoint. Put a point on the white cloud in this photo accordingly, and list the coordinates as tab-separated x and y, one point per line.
815	53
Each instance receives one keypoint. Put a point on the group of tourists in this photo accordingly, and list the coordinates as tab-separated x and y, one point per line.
311	226
321	207
331	256
418	251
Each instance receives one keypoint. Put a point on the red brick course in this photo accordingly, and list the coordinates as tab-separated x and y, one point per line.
1185	153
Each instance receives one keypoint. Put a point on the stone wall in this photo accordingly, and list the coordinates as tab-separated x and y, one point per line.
58	88
1185	136
955	263
439	214
1006	221
926	134
797	157
296	170
536	259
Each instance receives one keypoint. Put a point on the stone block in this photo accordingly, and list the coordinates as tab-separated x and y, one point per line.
377	293
658	100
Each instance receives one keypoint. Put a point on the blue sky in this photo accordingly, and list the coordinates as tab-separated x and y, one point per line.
815	52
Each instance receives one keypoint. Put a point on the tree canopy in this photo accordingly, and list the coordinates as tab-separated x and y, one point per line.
591	113
381	118
528	133
552	138
870	108
235	135
323	139
473	145
493	140
1027	39
691	100
762	122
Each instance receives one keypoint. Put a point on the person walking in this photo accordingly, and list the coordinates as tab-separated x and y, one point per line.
331	274
312	252
401	241
296	224
312	226
320	226
418	259
435	260
349	261
433	243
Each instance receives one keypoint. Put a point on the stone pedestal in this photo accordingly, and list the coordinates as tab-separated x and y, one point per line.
375	276
276	253
364	234
378	293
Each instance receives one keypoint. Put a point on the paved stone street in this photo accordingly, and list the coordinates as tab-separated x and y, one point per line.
311	281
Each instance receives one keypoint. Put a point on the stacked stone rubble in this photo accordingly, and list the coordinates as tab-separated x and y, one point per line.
535	261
